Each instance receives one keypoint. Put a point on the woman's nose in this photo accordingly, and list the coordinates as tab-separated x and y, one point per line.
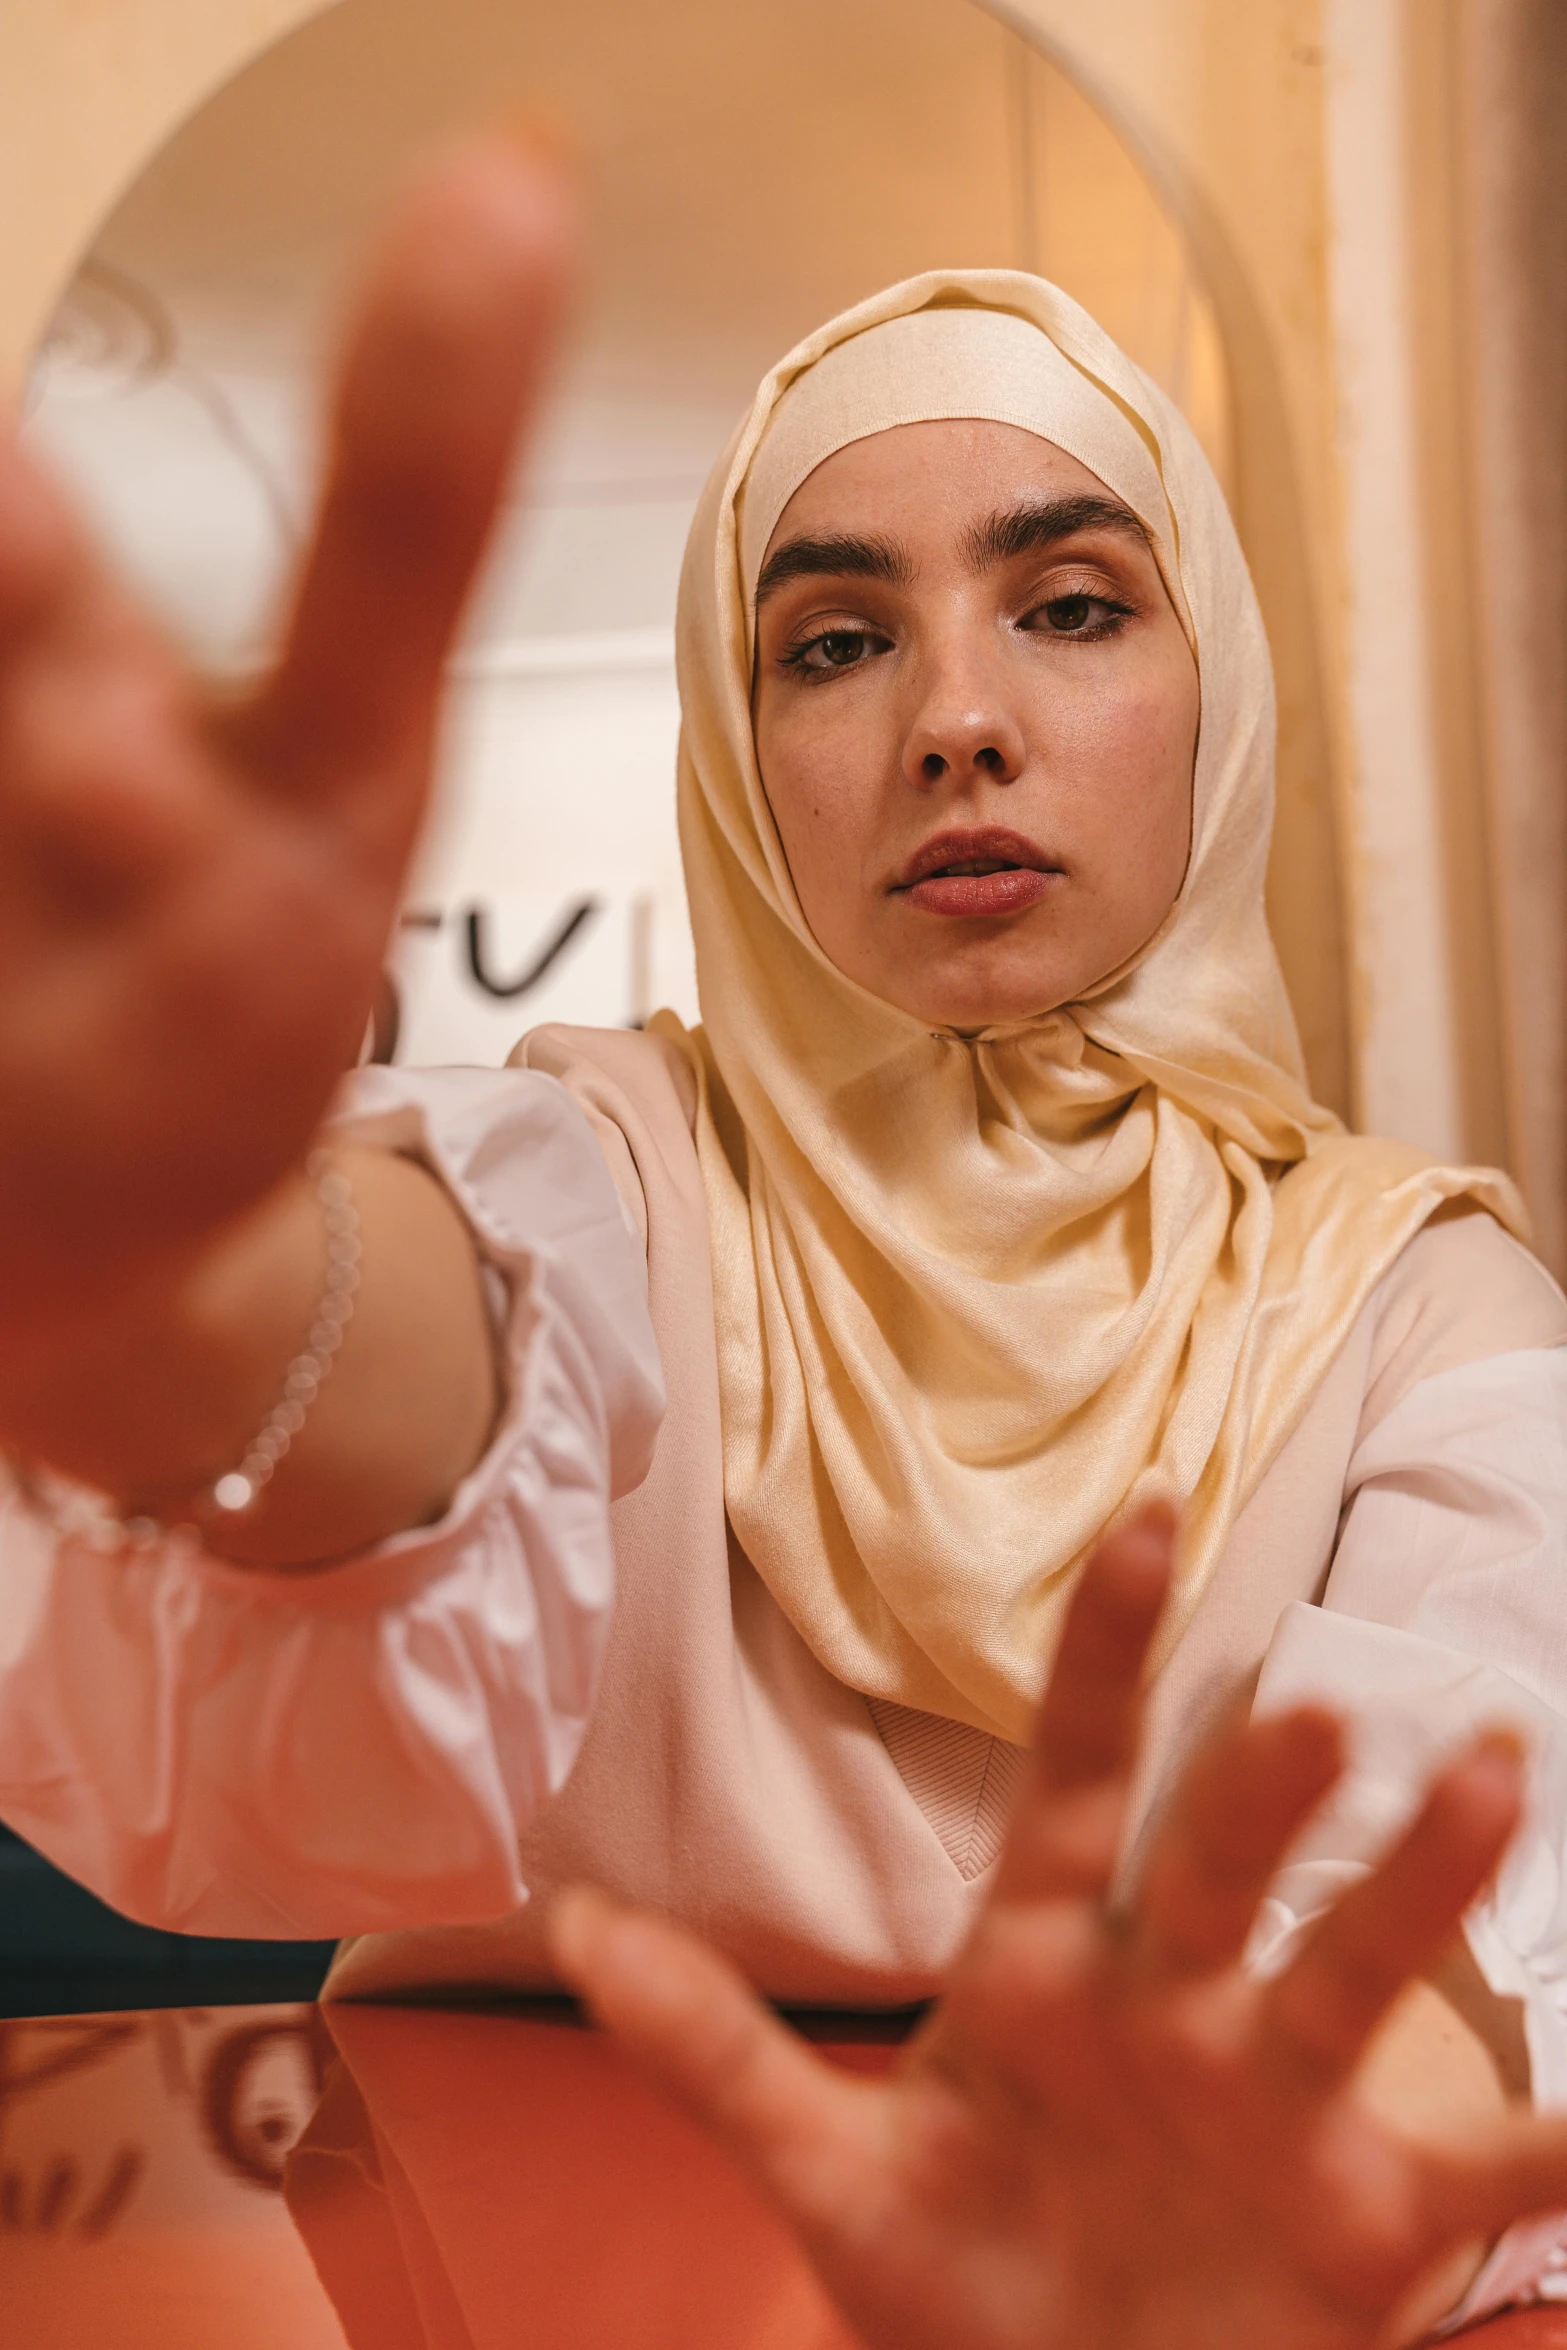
963	730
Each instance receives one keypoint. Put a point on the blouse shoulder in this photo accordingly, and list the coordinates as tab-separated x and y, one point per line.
1462	1291
639	1095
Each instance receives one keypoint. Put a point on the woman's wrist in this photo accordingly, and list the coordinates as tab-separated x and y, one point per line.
413	1395
166	1392
237	1491
162	1387
1429	2075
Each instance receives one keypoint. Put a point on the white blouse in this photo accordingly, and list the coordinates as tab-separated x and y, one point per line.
222	1751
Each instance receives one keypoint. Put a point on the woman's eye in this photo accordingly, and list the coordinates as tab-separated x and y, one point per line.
1081	615
1069	613
835	649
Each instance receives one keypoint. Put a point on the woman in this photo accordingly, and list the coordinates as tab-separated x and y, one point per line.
995	1174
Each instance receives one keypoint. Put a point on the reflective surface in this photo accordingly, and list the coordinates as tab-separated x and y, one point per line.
371	2178
141	2164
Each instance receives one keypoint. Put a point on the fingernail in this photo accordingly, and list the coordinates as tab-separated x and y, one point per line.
1502	1745
543	135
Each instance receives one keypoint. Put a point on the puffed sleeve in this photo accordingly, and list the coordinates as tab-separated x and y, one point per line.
1445	1612
223	1751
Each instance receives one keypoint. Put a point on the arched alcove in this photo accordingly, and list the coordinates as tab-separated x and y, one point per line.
753	171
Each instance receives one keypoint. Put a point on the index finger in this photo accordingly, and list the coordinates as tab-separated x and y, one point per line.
442	364
1066	1831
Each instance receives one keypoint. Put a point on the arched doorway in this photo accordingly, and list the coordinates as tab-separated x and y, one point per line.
754	170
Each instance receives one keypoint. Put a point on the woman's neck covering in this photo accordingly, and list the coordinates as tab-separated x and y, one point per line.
978	1296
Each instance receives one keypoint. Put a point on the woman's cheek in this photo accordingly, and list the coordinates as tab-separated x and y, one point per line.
809	812
1144	757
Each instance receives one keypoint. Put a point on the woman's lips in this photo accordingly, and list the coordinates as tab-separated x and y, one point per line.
1007	892
977	871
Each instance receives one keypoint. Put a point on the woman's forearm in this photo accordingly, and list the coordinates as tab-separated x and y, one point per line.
163	1392
1428	2071
1430	2074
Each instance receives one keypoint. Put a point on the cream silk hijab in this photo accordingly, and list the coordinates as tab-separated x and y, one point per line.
979	1295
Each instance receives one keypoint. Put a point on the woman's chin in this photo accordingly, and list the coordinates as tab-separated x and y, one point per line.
972	975
994	981
971	1007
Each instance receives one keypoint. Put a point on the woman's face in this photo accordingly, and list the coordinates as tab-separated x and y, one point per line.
976	717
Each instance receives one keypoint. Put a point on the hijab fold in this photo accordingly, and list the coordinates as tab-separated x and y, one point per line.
980	1295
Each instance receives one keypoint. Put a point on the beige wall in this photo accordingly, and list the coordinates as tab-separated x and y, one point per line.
88	93
1224	101
1508	77
1326	159
1373	188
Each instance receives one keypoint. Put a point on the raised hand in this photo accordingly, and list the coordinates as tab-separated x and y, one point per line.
195	898
1108	2136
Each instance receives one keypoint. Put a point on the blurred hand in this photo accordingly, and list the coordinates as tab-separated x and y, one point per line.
1108	2136
1520	2329
195	899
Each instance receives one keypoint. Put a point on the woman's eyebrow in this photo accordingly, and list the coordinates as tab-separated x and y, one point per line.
835	556
1026	529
